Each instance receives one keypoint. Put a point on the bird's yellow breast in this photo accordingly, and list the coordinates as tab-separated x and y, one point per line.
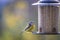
31	28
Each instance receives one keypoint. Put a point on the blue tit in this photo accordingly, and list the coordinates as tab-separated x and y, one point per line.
30	27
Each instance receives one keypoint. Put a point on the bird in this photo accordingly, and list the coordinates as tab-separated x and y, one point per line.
30	27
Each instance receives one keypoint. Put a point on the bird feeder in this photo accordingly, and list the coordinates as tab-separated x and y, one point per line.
48	12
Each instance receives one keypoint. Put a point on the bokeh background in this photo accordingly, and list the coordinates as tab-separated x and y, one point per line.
16	16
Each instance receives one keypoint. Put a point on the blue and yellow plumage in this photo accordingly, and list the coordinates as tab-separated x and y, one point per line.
30	27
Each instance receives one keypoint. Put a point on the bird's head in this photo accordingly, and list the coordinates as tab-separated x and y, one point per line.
31	23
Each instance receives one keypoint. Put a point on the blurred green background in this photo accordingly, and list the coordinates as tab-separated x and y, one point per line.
16	16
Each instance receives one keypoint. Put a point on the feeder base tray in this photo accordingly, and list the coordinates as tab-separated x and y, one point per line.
37	33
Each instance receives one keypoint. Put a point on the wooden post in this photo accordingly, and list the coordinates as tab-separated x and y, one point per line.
49	19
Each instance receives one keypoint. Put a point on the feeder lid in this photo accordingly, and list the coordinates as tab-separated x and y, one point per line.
47	2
